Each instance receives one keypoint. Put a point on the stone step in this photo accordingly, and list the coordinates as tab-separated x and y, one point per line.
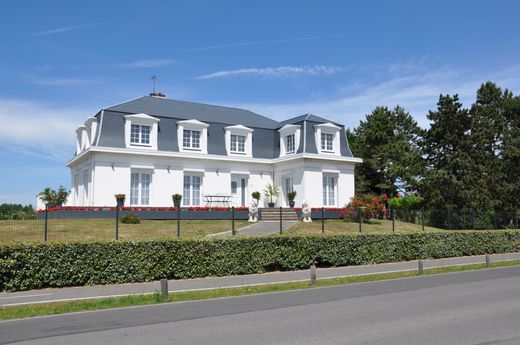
273	214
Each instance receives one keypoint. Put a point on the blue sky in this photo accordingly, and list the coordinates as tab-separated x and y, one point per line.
61	61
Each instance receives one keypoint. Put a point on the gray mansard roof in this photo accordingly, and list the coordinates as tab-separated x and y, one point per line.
266	137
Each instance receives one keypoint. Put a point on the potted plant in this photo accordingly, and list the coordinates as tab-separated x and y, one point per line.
291	196
177	200
120	199
256	196
271	192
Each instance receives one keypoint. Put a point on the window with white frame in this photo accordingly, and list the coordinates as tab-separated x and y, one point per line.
238	143
327	140
191	190
329	190
191	139
290	143
140	188
140	135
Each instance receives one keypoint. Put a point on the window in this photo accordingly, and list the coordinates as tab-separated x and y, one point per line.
140	188
290	143
191	139
140	135
329	188
326	141
191	190
234	187
238	143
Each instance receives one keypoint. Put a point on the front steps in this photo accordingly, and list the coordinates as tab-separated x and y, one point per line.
271	214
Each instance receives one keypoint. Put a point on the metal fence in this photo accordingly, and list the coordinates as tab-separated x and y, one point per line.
109	223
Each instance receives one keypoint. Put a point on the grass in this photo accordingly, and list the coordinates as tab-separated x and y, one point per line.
67	230
14	312
339	226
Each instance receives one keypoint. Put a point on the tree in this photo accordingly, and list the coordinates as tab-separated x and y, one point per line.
446	147
53	198
388	143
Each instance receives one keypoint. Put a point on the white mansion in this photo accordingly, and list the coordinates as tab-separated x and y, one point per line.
152	147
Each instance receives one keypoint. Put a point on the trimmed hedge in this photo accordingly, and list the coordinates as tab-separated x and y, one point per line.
24	267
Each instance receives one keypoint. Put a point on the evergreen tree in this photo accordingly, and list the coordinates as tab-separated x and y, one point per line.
388	144
446	147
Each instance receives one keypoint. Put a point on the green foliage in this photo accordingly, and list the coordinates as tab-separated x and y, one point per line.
16	211
53	198
176	197
24	267
388	143
271	192
366	205
291	195
256	195
408	202
131	218
120	197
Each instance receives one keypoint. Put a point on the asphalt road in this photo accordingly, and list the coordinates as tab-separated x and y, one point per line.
474	307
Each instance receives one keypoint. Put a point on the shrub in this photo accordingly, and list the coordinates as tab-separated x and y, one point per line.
255	195
24	266
365	205
131	218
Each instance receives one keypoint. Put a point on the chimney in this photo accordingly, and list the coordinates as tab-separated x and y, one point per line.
157	95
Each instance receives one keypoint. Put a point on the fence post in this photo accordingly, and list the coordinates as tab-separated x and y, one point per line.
422	218
360	214
420	267
164	289
45	229
178	222
393	220
233	220
117	223
488	260
313	275
322	220
495	224
281	226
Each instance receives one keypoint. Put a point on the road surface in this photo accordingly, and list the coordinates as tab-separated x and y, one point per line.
474	307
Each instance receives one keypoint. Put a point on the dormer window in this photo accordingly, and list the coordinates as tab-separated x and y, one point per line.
192	136
141	131
191	139
327	138
327	141
238	143
140	134
290	143
239	140
289	139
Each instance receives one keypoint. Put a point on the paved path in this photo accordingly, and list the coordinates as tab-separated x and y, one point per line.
100	291
263	227
464	308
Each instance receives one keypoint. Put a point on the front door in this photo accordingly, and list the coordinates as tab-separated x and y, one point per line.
238	191
287	188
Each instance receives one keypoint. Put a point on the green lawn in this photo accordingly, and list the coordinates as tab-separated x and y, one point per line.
104	229
339	226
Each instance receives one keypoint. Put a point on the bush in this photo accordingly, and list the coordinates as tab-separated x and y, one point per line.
131	218
24	267
366	205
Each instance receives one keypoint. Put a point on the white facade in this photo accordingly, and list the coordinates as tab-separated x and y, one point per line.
136	163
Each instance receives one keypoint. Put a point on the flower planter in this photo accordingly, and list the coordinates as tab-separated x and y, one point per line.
270	204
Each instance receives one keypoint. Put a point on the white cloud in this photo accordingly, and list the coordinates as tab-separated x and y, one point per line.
149	63
417	92
258	43
276	72
38	129
61	30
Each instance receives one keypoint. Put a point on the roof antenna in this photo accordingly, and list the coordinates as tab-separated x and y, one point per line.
156	94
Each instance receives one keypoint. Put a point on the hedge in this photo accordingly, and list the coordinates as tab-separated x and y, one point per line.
24	266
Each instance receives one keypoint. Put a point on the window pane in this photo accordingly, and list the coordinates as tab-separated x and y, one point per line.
241	143
290	143
186	138
233	187
134	134
196	190
323	146
186	191
195	139
233	143
332	197
145	134
134	189
325	191
145	189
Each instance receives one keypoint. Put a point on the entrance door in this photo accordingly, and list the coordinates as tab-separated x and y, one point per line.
238	191
287	188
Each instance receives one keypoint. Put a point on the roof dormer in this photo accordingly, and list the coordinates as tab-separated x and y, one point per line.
192	136
289	139
239	141
327	138
141	131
